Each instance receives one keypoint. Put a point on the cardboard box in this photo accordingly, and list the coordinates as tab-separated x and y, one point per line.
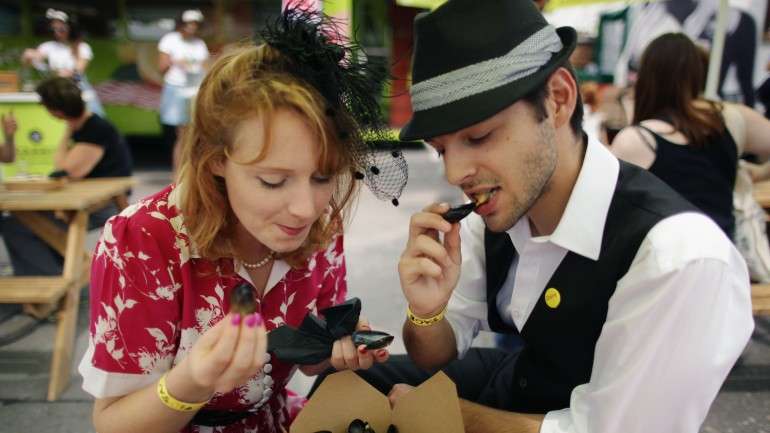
342	397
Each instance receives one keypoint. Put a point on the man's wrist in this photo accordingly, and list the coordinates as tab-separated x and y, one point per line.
424	314
427	320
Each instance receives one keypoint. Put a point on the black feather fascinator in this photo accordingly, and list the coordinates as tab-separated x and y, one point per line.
317	53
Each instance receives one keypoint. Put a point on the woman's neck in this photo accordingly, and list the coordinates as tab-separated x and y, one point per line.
247	247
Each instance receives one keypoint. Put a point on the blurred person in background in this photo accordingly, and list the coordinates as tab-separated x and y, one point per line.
691	143
182	58
65	56
90	148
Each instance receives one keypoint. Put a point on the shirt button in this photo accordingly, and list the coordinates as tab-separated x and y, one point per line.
523	382
516	314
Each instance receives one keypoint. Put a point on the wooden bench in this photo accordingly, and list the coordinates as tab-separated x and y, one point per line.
42	295
760	299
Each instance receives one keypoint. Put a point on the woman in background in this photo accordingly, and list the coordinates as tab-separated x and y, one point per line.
66	56
691	143
182	59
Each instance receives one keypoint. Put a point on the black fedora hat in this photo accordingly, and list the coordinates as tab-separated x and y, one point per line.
474	58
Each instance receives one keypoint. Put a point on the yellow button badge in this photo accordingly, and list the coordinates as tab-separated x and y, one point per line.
552	297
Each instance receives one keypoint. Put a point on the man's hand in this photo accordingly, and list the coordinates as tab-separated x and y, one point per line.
399	390
430	268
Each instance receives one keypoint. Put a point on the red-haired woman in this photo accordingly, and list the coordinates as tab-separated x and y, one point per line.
267	172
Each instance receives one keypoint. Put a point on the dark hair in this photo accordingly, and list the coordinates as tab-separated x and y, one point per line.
671	76
536	99
61	94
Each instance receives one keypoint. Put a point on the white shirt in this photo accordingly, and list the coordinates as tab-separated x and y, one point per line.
676	324
190	52
60	56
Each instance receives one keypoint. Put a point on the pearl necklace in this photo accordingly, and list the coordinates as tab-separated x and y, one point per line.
260	263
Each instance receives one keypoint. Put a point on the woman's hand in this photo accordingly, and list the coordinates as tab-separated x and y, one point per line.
345	356
9	125
430	268
31	55
229	354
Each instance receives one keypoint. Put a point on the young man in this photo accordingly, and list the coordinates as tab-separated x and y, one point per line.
91	147
631	306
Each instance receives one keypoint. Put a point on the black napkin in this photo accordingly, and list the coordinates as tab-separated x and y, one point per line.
312	342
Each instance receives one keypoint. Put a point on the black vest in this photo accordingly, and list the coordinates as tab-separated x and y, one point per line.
559	342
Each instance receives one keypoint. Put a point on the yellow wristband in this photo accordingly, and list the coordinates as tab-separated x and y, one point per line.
173	403
419	321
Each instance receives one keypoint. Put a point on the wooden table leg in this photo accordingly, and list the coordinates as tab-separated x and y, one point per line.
64	341
53	235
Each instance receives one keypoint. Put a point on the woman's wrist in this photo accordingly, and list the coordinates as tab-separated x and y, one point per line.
182	387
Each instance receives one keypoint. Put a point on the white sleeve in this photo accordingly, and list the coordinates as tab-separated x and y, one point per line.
678	321
467	308
167	44
85	51
204	51
45	48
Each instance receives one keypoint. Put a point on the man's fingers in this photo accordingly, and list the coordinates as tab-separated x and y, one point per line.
428	247
416	268
452	244
427	223
436	208
398	391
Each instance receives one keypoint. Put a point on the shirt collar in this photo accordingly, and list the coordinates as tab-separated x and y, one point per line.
581	227
279	270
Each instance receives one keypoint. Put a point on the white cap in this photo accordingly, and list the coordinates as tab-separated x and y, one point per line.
53	14
191	15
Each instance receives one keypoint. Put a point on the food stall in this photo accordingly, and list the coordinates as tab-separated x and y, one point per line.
37	138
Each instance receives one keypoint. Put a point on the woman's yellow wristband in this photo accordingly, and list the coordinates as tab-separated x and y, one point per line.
173	403
428	321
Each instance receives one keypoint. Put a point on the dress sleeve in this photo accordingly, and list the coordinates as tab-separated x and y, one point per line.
136	303
334	288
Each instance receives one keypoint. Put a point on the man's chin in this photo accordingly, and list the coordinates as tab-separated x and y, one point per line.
498	224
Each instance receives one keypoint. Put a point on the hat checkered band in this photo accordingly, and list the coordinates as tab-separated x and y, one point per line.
523	60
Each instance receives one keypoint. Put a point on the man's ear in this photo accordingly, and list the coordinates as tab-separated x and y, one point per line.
562	92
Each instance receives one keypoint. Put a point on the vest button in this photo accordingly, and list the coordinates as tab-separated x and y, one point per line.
523	382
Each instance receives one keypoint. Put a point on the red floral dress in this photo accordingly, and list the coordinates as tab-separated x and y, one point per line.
152	297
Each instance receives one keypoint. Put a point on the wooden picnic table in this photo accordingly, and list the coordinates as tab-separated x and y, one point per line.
760	293
73	202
